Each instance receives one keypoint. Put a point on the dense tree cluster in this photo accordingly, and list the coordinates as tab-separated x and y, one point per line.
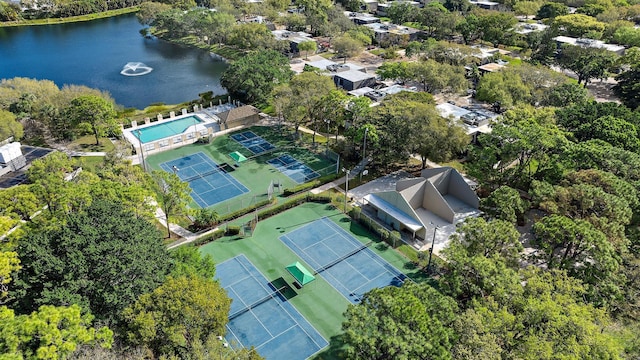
94	270
36	109
82	275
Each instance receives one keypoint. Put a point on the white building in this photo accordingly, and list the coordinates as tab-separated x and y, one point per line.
589	43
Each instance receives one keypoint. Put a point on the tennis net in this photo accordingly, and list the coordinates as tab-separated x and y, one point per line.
342	258
217	169
257	303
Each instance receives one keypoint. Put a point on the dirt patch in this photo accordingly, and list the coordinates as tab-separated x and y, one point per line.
368	60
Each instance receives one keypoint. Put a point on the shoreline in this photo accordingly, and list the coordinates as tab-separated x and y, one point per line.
72	19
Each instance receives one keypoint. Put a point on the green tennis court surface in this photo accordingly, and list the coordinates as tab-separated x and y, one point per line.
347	264
254	173
319	302
261	316
210	183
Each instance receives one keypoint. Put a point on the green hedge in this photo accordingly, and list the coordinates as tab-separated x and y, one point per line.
293	202
310	185
288	204
245	211
232	230
209	237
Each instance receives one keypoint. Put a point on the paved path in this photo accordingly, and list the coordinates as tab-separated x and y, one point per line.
82	153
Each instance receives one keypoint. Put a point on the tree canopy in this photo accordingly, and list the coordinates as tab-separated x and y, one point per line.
254	76
155	321
102	259
410	322
48	333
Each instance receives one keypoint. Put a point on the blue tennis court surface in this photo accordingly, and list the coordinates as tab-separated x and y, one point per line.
294	169
210	184
346	263
261	317
253	142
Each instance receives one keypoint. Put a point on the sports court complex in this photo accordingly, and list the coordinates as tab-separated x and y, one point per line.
273	312
237	170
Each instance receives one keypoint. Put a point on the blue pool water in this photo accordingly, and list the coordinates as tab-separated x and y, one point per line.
167	129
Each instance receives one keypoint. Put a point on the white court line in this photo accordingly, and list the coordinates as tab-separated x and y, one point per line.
285	310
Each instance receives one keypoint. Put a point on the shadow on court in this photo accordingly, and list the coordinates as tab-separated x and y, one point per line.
285	290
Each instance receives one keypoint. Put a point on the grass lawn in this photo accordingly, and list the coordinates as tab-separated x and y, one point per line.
319	302
87	143
256	174
90	162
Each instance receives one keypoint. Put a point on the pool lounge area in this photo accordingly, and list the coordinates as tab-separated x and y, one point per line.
167	129
176	130
170	132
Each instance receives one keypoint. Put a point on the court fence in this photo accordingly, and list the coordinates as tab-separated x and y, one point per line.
262	212
392	238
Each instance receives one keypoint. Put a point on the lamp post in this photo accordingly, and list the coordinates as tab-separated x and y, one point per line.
433	242
327	135
346	189
364	148
144	166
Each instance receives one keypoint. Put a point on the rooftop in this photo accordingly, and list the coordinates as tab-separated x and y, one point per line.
589	43
486	52
491	67
360	92
483	2
355	75
292	36
525	28
391	28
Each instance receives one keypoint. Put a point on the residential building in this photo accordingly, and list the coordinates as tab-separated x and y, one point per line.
392	34
526	28
490	67
361	19
589	43
487	54
347	76
487	5
371	5
354	79
294	38
382	8
474	120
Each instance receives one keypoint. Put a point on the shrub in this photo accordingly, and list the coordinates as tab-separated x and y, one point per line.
232	230
205	218
310	185
293	202
245	211
209	237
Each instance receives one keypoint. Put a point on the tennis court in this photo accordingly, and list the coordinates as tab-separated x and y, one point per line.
262	317
210	183
253	142
346	263
294	169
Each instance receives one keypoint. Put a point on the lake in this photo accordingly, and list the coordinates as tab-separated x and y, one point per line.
94	54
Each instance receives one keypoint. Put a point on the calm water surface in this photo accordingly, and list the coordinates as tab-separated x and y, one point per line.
94	53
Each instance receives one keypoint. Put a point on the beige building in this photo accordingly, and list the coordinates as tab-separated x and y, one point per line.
435	201
246	115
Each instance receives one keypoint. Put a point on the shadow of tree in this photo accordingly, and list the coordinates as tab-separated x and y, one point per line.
335	351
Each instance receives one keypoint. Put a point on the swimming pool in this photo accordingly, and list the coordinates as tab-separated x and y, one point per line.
166	129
